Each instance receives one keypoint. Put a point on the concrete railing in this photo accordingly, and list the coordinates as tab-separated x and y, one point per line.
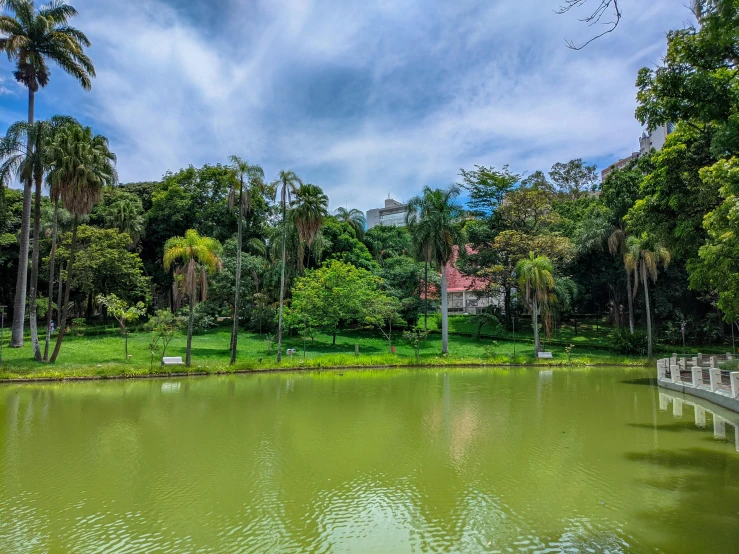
702	376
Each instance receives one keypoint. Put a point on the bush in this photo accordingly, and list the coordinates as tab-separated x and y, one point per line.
202	320
626	343
435	321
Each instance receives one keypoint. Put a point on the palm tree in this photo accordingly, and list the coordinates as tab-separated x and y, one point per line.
287	182
30	37
536	278
643	258
606	229
192	250
309	209
23	151
255	177
434	220
353	217
126	215
80	166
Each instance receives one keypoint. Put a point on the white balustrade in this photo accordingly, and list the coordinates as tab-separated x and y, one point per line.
700	415
697	376
715	378
734	380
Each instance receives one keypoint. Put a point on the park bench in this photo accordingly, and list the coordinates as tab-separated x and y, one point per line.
175	360
544	355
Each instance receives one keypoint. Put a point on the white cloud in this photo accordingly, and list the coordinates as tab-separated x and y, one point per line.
364	99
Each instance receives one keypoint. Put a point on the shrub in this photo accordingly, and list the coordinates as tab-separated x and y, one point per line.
626	343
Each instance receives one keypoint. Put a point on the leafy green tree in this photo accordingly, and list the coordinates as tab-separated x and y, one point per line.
30	38
104	265
385	242
416	337
287	183
340	242
23	151
487	187
644	258
434	220
535	276
574	178
717	268
335	295
353	217
254	176
403	279
81	164
122	312
192	251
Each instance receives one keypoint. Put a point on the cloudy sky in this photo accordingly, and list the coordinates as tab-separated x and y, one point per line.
366	99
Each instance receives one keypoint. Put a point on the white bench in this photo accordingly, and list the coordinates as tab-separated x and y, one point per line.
175	360
544	355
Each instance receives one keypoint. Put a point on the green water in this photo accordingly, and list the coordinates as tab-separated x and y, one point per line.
481	460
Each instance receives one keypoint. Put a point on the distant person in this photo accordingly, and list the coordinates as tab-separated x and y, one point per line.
52	326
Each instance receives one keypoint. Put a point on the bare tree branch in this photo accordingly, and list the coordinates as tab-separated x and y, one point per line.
602	8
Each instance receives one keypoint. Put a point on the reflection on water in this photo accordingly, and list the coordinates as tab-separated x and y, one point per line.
482	460
720	416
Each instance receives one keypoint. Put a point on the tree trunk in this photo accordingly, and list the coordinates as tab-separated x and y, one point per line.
426	296
444	314
188	354
52	261
508	306
19	304
235	327
535	317
67	290
649	317
33	292
126	338
59	295
282	280
631	301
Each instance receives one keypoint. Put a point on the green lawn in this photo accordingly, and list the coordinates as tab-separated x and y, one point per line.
102	354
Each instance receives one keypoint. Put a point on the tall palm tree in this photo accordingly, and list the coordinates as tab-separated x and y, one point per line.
30	37
434	220
254	176
644	258
595	232
309	209
23	155
353	217
287	182
80	166
536	278
127	216
192	250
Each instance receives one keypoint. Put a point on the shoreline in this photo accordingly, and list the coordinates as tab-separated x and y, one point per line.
269	370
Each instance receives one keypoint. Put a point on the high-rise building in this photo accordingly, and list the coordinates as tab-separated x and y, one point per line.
392	214
655	139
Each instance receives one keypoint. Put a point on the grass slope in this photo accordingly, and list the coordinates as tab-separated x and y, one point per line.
103	355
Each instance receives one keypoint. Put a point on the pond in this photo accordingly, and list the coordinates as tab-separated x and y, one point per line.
457	460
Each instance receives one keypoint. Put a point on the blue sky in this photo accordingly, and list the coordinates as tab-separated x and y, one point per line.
366	99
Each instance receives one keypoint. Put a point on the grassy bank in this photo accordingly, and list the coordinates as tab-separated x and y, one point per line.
103	355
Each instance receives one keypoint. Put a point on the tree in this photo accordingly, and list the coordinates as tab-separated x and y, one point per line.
416	338
574	178
23	150
644	258
336	295
308	211
127	216
353	217
434	221
80	165
535	276
192	251
287	182
717	268
30	37
122	312
164	325
487	187
604	225
254	175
